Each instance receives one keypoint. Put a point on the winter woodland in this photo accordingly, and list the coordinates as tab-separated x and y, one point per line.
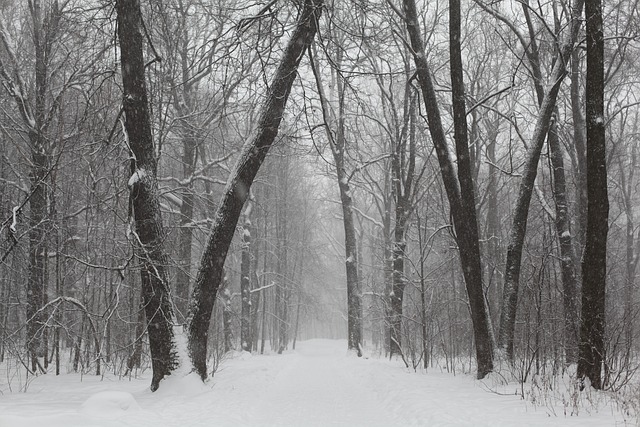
314	212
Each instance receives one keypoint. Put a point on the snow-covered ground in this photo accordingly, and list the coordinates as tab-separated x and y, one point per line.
319	384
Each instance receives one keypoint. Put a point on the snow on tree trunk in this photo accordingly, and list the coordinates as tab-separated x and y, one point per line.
594	261
246	339
567	256
227	314
149	234
185	236
579	141
236	192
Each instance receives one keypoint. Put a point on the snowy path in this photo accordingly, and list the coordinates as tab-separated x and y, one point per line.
317	385
317	389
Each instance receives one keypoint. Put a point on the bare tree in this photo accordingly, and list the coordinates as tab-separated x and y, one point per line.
594	261
521	212
236	192
459	189
149	232
337	138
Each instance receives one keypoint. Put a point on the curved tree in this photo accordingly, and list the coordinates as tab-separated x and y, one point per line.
143	186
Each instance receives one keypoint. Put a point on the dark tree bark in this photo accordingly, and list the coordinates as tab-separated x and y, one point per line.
209	274
459	188
227	314
36	280
594	262
143	187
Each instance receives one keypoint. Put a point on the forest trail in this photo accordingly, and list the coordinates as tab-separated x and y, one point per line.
318	384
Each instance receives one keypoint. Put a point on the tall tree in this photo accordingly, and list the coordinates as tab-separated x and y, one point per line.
459	189
209	275
337	138
594	261
149	233
531	47
547	104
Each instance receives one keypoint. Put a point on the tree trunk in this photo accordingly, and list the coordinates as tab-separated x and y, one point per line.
396	296
462	204
237	190
338	146
246	339
143	186
627	173
388	265
493	234
562	223
567	256
37	257
227	314
594	262
579	140
185	236
403	191
282	270
519	225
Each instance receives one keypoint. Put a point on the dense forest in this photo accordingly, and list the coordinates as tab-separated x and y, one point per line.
450	184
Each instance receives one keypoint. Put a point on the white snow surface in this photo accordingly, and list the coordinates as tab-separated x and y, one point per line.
318	384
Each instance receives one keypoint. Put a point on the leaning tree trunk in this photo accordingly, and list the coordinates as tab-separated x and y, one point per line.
460	194
562	223
237	190
594	261
519	226
143	186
